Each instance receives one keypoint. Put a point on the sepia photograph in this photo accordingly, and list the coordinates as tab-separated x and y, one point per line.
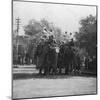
54	49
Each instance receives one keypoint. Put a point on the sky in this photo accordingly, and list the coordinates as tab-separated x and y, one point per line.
66	17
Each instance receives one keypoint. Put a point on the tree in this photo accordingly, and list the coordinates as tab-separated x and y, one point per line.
87	35
33	27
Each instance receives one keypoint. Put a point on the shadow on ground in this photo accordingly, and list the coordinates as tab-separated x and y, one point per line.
34	75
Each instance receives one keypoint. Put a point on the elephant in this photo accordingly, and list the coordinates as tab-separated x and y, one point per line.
51	59
46	58
68	59
39	57
60	62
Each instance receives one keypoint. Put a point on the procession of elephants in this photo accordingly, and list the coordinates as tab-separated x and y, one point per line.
51	58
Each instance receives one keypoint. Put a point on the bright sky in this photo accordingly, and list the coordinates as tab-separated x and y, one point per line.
66	17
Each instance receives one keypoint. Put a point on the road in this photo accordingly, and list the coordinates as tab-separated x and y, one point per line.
22	69
43	87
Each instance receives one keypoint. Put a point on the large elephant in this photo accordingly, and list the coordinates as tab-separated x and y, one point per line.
60	63
39	57
65	59
51	59
46	58
76	62
68	59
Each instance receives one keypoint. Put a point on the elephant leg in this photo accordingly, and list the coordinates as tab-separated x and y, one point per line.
40	71
52	71
66	70
70	68
55	70
32	61
25	60
60	70
45	70
49	70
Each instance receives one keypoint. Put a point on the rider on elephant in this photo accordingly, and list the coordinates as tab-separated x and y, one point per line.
71	43
51	55
52	41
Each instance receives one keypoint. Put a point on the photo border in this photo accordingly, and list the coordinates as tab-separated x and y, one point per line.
12	48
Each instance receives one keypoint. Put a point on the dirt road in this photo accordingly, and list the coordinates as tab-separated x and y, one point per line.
28	88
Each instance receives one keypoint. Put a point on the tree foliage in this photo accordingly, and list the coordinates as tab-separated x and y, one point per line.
32	28
87	35
35	29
